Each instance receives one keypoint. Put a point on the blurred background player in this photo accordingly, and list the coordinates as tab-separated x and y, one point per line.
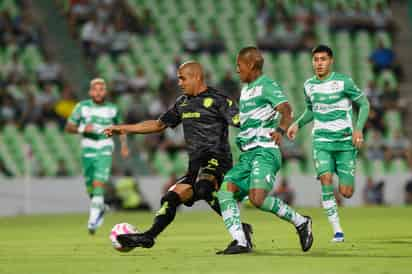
261	103
329	96
88	119
205	114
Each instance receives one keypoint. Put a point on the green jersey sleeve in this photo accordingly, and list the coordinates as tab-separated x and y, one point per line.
307	100
351	90
307	116
118	119
76	115
274	94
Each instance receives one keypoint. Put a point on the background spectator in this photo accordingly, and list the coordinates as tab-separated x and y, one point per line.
373	192
191	38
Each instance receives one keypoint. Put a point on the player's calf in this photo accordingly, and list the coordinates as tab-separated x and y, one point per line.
346	191
165	215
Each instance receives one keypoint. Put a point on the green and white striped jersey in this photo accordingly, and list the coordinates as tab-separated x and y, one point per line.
100	116
331	103
258	117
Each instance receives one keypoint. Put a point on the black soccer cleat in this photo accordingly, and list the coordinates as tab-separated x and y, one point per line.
247	228
234	248
135	240
305	234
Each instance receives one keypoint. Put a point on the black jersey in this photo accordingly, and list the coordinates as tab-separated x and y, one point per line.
205	119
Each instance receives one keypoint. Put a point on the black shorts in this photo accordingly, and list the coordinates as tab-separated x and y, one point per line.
208	165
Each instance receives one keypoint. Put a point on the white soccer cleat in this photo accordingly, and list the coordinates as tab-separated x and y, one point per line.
96	222
338	238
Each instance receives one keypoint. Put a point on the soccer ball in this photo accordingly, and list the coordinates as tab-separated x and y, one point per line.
119	229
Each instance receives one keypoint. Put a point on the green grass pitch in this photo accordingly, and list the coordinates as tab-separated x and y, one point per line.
379	240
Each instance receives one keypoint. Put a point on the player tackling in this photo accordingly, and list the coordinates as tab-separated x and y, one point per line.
329	96
205	114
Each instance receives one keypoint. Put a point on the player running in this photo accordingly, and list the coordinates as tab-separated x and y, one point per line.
205	114
88	119
329	96
261	103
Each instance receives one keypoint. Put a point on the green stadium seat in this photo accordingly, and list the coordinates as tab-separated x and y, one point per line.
162	163
387	76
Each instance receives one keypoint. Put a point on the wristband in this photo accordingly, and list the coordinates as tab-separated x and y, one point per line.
280	130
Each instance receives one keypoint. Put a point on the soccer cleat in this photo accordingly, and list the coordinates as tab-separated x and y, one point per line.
338	238
92	226
305	234
234	248
91	230
247	228
135	240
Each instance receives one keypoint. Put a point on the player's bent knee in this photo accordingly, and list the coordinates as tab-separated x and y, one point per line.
326	179
256	200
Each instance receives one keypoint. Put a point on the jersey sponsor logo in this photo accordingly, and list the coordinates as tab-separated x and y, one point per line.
190	115
248	94
323	108
207	102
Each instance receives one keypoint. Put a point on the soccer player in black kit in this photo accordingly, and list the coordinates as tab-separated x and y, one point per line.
205	114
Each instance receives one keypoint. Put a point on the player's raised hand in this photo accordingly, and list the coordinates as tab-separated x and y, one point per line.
292	131
357	139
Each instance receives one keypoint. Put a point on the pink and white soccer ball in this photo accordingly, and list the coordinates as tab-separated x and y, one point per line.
119	229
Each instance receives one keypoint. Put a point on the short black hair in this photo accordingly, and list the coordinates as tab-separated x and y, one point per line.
252	54
322	48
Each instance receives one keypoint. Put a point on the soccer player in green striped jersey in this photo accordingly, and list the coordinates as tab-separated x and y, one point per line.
265	114
329	96
89	118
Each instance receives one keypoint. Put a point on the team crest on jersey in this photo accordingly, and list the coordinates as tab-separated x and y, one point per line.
247	94
335	86
311	88
207	102
184	103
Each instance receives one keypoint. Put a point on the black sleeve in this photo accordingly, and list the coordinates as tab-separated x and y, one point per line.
229	111
171	117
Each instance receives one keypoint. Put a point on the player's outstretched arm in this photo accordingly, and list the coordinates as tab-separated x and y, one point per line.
74	129
357	138
305	118
285	111
145	127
